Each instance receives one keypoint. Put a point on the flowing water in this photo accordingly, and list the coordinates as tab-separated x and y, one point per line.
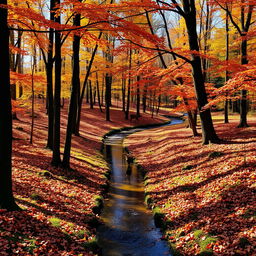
128	227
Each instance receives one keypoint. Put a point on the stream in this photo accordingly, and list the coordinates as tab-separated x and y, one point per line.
128	228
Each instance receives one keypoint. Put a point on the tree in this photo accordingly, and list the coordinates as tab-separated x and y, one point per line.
6	195
188	12
56	161
226	73
242	26
74	95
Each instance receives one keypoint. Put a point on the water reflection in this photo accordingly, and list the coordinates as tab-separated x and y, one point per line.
128	226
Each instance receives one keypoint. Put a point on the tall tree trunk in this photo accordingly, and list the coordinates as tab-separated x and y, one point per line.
56	161
159	104
108	96
87	94
12	67
129	87
208	132
191	120
49	79
123	93
94	95
144	99
50	110
243	101
103	90
91	94
98	91
226	73
138	98
6	195
33	97
77	127
74	95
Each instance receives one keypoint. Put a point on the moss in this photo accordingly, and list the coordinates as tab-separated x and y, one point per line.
149	200
204	240
35	196
158	217
98	204
198	233
174	251
80	234
55	222
204	243
92	244
45	174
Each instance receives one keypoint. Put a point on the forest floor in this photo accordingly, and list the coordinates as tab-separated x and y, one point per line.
59	206
203	196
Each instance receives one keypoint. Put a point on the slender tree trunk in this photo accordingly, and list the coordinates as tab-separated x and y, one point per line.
33	99
243	101
226	75
208	132
91	94
153	104
138	98
83	89
98	91
50	110
94	95
123	93
102	89
191	120
56	161
74	95
87	94
129	87
108	96
12	67
49	78
159	104
6	195
144	99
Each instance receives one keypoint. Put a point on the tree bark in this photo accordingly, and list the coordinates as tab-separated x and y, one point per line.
108	96
208	132
49	78
98	91
226	75
74	95
56	161
138	98
123	93
33	98
129	87
83	89
144	99
243	101
6	196
91	94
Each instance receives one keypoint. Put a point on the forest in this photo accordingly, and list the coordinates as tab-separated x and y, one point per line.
116	112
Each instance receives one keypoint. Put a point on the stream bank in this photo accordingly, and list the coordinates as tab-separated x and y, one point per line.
128	227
